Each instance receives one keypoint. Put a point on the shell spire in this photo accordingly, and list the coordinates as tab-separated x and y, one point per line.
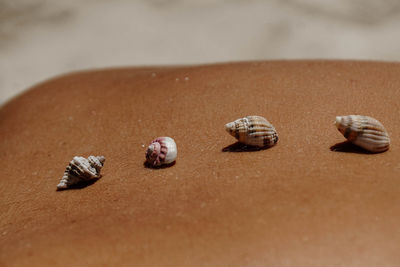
161	151
253	131
364	131
80	170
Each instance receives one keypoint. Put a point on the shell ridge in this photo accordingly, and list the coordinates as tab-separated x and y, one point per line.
81	169
253	131
364	131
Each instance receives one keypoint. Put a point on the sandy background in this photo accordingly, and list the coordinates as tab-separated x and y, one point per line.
295	204
40	39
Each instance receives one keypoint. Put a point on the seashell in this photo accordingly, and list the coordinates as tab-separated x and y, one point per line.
253	131
161	150
364	131
81	169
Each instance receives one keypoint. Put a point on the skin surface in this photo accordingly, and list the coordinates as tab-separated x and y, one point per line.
296	204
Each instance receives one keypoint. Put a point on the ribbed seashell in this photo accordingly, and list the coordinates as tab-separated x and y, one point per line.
81	169
364	131
253	131
161	150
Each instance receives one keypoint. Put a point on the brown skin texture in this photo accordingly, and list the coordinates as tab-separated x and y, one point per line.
296	204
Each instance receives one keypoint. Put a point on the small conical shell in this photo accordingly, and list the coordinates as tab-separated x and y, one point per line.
161	150
364	131
253	131
81	169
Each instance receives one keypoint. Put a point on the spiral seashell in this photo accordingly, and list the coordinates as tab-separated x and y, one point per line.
253	131
81	169
364	131
161	150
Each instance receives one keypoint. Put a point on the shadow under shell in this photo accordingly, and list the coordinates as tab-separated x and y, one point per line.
240	147
149	166
80	185
349	147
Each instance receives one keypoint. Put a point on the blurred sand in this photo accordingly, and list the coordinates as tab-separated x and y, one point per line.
40	39
295	204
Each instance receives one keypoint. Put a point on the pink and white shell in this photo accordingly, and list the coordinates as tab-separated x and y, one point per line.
161	150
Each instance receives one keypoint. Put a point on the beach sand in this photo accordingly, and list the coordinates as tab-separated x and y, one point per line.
296	204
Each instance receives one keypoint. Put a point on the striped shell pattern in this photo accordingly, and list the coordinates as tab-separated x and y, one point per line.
364	131
253	131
